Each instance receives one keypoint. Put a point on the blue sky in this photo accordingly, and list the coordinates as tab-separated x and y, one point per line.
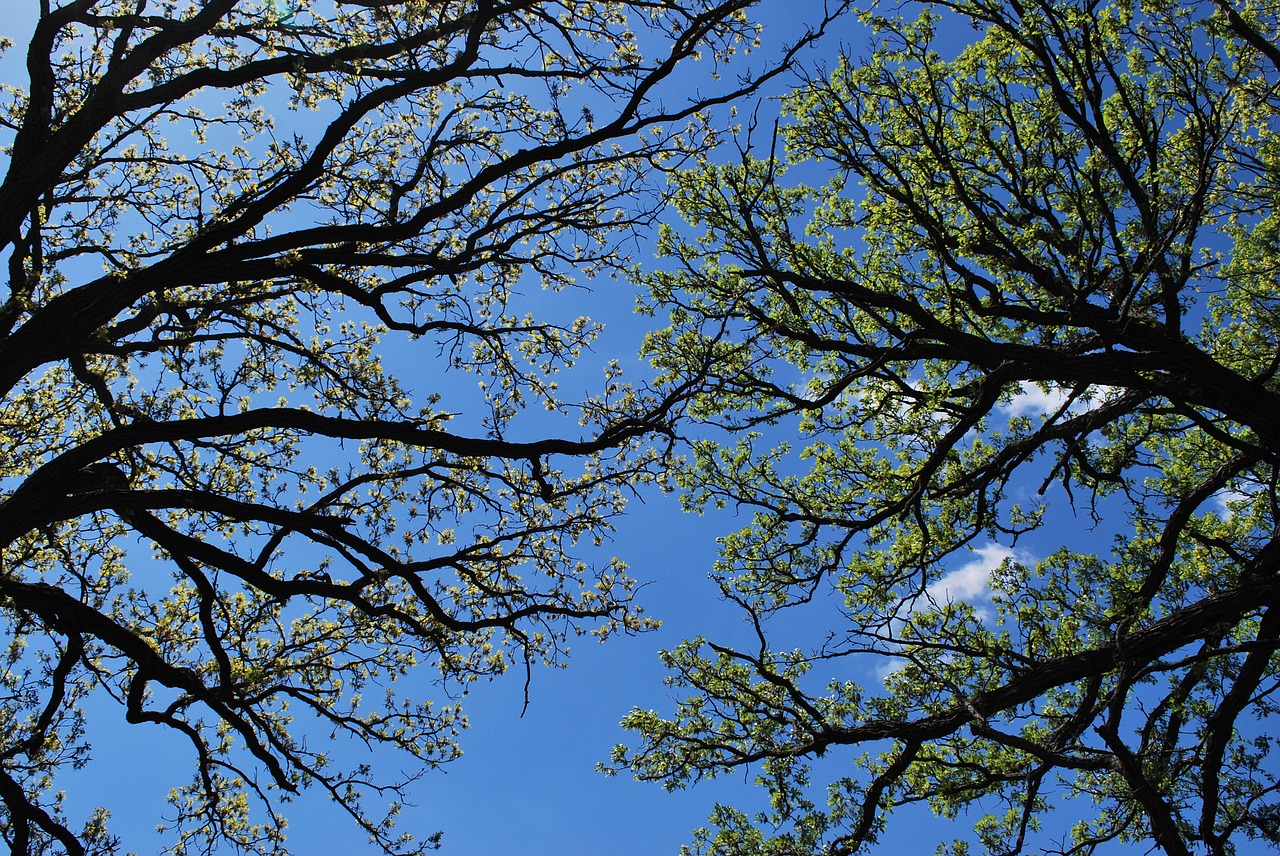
526	784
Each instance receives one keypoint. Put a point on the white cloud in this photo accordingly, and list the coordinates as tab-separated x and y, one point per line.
1224	500
969	581
1031	400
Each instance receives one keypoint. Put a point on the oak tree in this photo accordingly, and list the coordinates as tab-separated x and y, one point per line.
259	255
998	392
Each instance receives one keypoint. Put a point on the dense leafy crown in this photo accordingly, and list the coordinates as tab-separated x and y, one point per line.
224	224
1026	335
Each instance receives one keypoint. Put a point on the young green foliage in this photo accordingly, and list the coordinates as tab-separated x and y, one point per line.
1075	211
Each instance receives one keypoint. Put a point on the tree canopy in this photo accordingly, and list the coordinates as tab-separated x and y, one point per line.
259	255
997	389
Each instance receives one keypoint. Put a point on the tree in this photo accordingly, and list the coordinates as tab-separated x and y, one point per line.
1075	605
221	504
